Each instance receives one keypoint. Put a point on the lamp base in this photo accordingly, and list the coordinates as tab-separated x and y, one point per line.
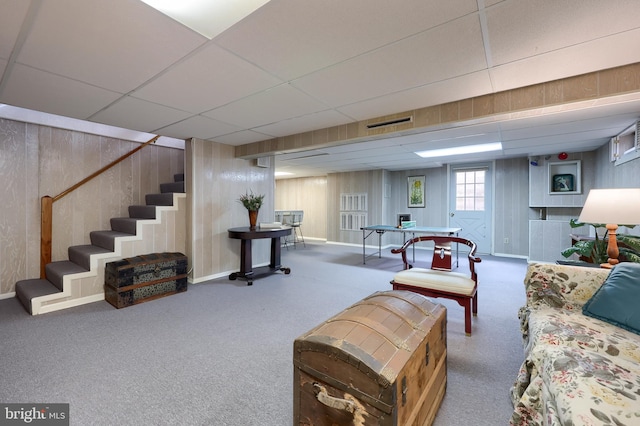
612	247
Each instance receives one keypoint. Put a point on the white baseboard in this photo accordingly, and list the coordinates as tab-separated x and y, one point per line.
219	275
513	256
7	295
338	243
209	277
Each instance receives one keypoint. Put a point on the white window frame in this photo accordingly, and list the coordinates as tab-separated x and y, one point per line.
353	211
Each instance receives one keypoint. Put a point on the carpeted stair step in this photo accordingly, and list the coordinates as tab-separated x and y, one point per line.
142	212
124	224
28	289
82	254
55	271
106	239
172	187
165	199
101	242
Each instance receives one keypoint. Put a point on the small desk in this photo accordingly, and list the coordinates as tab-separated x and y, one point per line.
246	235
381	229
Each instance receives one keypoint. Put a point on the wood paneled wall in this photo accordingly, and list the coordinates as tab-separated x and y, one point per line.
511	206
215	180
39	160
309	195
387	197
370	182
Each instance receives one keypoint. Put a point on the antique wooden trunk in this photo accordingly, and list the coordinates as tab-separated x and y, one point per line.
382	361
146	277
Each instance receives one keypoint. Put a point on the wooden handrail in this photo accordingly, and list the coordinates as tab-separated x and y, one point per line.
104	169
46	207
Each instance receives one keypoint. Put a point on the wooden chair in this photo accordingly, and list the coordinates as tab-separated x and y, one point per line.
439	281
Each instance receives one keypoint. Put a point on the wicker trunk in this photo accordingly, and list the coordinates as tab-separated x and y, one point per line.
381	361
139	279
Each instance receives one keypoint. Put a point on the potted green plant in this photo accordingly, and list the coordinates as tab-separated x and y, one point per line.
595	250
252	203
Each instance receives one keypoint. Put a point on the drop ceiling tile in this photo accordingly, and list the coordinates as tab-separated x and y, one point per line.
313	121
448	51
209	78
41	91
317	161
135	114
404	164
520	29
279	103
360	146
198	127
559	140
382	155
303	154
553	147
423	146
460	132
116	45
297	37
385	152
12	16
241	138
440	92
530	131
615	50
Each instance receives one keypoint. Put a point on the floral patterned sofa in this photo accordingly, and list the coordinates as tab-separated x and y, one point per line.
578	369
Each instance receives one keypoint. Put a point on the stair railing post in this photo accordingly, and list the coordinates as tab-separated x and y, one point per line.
46	230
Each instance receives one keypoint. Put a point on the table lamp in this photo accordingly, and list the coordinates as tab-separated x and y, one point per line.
612	207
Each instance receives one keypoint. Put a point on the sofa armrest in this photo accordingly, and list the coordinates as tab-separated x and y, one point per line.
549	285
561	286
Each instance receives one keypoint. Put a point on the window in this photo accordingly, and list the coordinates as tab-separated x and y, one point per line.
353	211
470	190
626	145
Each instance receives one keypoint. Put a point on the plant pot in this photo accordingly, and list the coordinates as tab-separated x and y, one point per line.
253	218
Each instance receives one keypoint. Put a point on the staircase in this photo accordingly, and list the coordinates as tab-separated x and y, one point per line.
158	226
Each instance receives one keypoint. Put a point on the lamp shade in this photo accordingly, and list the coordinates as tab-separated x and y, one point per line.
619	206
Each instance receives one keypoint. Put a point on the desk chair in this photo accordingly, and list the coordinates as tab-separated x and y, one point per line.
439	281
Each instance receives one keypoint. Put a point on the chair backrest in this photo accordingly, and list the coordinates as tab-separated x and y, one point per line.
442	252
289	217
280	215
297	217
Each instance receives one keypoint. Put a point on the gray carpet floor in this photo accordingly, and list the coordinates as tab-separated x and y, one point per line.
221	353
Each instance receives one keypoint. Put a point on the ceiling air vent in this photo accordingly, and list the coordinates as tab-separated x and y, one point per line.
389	122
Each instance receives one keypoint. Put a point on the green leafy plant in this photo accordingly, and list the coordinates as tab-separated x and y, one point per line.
596	249
251	201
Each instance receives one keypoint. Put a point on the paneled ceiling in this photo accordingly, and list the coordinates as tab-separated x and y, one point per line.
293	66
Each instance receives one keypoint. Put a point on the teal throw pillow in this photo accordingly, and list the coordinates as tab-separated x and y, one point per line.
617	301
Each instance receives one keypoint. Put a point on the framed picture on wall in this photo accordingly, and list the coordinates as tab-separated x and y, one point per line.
563	183
415	191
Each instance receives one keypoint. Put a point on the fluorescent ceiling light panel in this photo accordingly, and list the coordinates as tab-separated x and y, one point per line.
207	17
282	174
461	150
